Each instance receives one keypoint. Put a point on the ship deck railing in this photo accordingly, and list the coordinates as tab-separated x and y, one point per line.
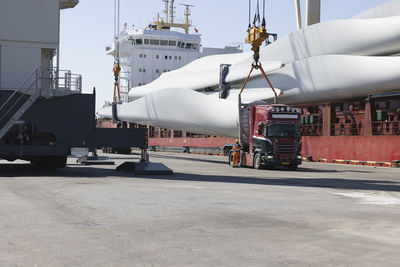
352	129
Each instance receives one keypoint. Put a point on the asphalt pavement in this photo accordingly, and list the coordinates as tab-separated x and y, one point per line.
206	214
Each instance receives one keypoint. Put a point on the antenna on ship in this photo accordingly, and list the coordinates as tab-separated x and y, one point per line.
166	10
187	15
169	22
172	11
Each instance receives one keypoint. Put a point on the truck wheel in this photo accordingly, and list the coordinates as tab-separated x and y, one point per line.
123	150
47	162
230	158
257	161
61	162
293	167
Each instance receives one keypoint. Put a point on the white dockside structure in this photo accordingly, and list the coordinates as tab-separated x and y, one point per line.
38	102
29	41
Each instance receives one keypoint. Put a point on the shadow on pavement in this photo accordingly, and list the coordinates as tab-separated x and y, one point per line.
339	183
11	170
224	160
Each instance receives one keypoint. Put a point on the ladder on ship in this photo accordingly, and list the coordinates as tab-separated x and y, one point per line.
19	101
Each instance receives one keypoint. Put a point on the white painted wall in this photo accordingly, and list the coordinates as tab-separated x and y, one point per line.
29	20
17	63
26	27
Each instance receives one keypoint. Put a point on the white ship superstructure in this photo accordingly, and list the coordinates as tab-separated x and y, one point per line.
147	53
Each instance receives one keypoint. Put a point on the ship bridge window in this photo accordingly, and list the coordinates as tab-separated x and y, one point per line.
182	45
179	43
157	56
138	41
166	57
172	43
146	41
154	42
188	45
195	46
164	42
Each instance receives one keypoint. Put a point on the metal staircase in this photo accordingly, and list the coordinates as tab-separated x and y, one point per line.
19	101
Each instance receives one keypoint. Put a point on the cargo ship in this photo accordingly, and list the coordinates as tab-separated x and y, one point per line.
164	45
348	92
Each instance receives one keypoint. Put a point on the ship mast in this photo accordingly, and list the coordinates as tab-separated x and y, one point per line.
166	10
169	22
187	15
172	11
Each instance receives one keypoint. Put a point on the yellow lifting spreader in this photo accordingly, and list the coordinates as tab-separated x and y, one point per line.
256	35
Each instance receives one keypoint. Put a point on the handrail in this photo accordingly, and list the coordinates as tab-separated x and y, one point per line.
62	80
19	87
71	82
5	113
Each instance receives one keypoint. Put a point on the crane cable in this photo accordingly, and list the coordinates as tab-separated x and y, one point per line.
116	66
256	35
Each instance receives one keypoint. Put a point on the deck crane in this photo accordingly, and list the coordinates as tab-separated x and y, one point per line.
256	35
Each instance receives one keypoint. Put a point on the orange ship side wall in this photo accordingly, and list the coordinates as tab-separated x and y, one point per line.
363	148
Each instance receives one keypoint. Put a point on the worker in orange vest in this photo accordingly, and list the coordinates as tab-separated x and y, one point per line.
236	154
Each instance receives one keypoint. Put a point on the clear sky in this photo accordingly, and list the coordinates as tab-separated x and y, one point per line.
88	28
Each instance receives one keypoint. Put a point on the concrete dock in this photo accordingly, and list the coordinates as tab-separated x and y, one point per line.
206	214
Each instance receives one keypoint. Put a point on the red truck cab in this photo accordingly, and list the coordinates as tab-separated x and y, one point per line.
270	135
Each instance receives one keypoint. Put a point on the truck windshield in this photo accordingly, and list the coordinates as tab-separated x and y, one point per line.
283	130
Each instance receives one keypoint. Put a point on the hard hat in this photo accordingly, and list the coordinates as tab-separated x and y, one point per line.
236	140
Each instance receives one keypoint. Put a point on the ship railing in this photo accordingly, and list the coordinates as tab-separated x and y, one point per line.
352	129
347	129
156	132
314	129
386	128
63	80
153	131
165	133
